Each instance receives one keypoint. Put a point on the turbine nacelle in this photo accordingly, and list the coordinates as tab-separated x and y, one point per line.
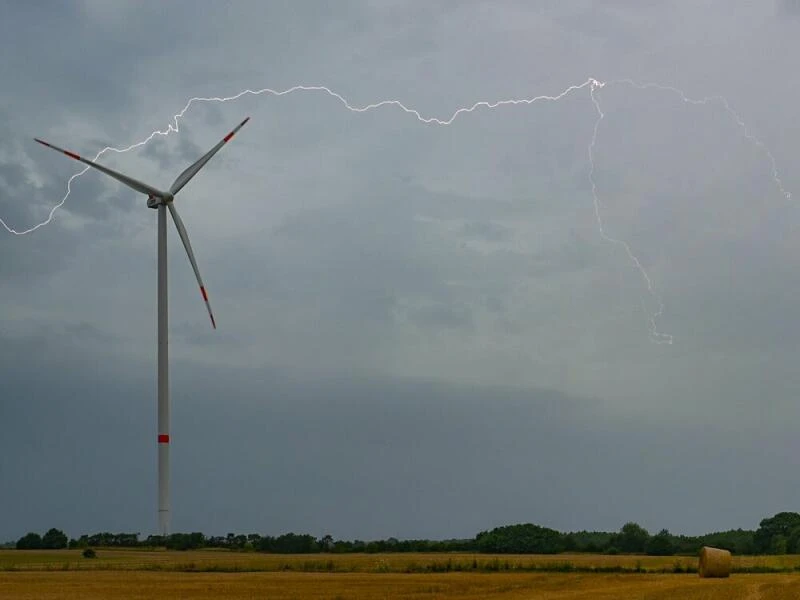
156	201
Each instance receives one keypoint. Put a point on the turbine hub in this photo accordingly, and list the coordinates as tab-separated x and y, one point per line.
155	202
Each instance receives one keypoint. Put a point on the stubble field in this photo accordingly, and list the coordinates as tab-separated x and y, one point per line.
142	574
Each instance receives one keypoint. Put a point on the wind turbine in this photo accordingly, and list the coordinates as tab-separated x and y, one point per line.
163	201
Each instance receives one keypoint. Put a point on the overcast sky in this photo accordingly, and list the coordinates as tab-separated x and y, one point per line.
421	330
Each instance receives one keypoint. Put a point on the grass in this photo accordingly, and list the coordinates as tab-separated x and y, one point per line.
221	561
215	573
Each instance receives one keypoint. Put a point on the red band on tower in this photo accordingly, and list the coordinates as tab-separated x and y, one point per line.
163	438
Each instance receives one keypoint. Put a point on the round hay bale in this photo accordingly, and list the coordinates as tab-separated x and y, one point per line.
714	562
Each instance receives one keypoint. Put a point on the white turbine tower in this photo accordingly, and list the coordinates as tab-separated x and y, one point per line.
163	201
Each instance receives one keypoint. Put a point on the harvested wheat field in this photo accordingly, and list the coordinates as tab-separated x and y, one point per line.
221	574
331	586
410	562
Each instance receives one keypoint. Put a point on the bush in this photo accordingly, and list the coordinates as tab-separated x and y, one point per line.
89	553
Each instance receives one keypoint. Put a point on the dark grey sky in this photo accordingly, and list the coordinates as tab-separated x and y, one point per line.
422	332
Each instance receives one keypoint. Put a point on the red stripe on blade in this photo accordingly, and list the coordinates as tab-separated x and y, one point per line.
72	155
163	438
228	137
203	291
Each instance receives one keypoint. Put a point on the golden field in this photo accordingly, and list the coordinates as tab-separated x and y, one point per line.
222	574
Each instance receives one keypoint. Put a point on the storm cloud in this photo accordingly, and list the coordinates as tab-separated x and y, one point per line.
422	331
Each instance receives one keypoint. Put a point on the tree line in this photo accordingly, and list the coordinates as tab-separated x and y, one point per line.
779	534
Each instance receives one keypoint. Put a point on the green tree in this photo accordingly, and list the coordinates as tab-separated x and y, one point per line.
29	541
570	544
660	544
778	545
737	541
54	539
793	543
782	524
185	541
520	539
288	543
631	538
591	541
326	543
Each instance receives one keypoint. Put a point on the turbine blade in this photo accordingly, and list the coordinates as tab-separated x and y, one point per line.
185	239
129	181
192	170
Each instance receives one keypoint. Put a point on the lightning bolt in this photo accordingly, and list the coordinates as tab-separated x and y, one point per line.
593	85
655	335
